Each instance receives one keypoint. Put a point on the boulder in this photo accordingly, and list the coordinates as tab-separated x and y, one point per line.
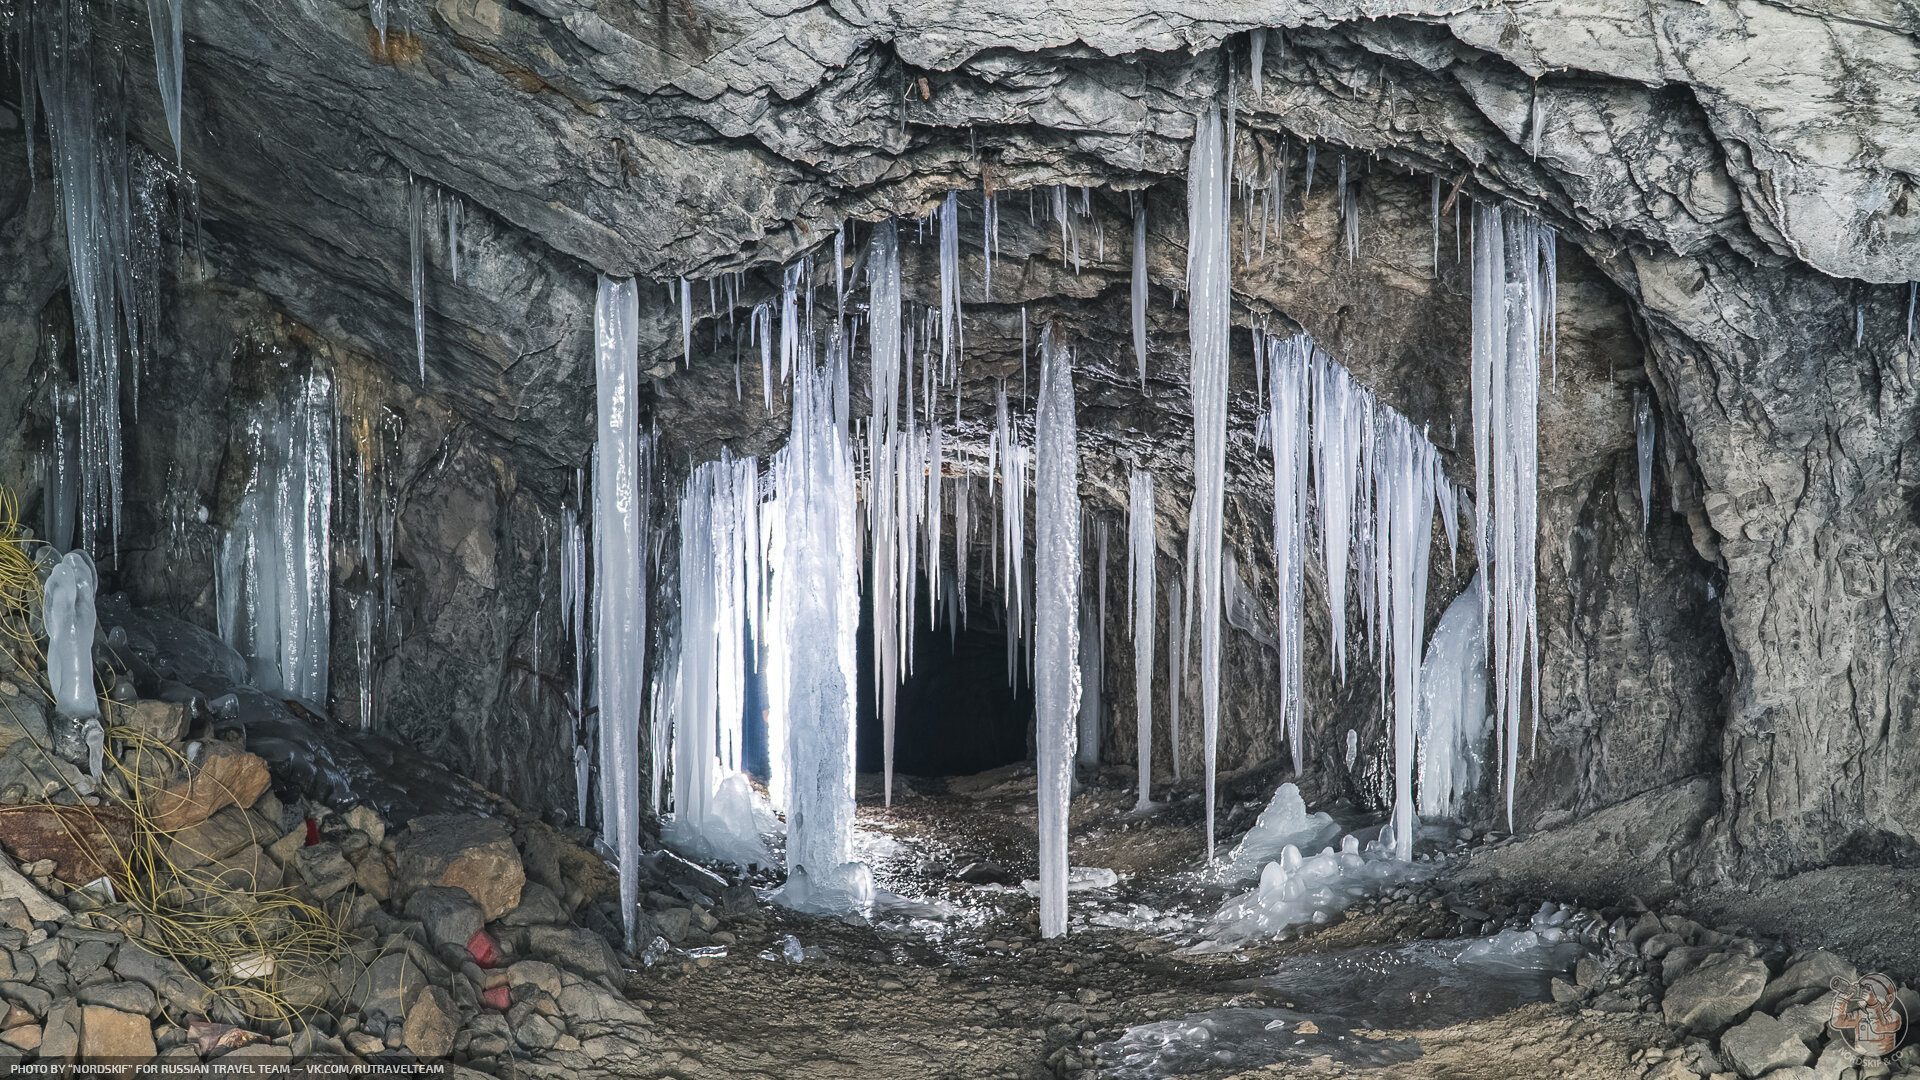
169	981
60	1037
225	775
1808	1020
22	717
461	852
323	869
127	997
431	1023
1714	994
367	821
576	949
14	885
162	721
538	907
1762	1044
450	916
1815	969
24	1037
111	1037
84	842
224	834
387	987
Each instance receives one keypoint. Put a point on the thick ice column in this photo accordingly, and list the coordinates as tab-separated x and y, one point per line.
1453	705
1056	674
1403	482
816	607
1209	309
67	610
1176	667
620	541
883	527
1141	552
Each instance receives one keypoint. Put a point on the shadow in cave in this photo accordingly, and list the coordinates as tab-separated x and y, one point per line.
955	714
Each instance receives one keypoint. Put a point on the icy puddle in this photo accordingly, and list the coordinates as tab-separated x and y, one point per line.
1414	986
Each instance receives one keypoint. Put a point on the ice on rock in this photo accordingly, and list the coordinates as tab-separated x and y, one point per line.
1209	311
1056	675
1453	720
845	889
1295	890
1142	550
67	611
1284	824
1079	879
1643	438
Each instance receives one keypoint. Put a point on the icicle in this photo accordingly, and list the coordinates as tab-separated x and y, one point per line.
883	511
1289	437
63	469
1859	322
1176	667
1349	210
1140	290
1403	481
1209	308
962	543
1056	628
1257	42
1643	448
620	593
1436	227
163	17
1512	299
1913	294
949	278
417	245
1536	122
456	214
67	613
686	323
1142	548
377	12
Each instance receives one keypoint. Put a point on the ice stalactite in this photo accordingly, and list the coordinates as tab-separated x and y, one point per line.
1140	289
377	13
1452	725
1643	439
1209	308
883	527
1339	433
949	283
111	257
417	262
1289	390
1257	59
1513	317
620	577
1142	599
456	219
1349	195
713	809
686	324
816	615
163	17
574	602
1056	672
273	575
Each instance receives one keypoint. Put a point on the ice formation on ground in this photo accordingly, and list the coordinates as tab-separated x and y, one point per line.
1284	823
1296	890
67	612
1453	721
1079	879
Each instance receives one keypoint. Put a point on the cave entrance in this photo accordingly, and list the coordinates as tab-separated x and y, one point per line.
955	715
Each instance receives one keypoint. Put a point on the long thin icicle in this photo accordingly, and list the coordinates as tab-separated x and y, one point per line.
1209	309
1288	433
417	265
1140	289
883	510
1141	551
1057	631
1643	437
620	598
163	17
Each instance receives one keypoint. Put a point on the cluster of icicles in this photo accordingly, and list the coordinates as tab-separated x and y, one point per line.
770	565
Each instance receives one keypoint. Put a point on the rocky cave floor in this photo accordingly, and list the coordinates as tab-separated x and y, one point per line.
979	994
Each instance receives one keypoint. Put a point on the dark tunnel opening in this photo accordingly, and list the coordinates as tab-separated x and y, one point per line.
955	714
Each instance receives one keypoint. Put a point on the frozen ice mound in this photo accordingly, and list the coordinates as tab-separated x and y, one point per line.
1297	890
1284	823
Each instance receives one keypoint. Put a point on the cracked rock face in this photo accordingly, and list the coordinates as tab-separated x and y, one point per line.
1731	183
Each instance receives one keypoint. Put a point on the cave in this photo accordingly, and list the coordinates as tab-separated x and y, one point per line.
1023	541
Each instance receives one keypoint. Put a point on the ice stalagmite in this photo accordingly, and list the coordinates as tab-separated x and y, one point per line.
1056	671
1643	447
1288	394
816	610
1141	550
273	572
620	608
1452	726
1513	310
163	18
1209	309
1140	289
68	614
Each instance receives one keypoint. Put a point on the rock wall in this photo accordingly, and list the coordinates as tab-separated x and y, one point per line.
1727	179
